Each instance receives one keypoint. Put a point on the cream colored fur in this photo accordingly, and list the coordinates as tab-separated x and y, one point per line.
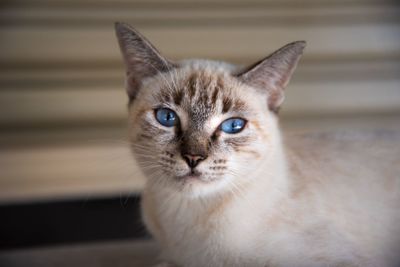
327	199
319	201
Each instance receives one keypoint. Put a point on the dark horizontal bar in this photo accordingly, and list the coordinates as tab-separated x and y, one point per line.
70	221
199	5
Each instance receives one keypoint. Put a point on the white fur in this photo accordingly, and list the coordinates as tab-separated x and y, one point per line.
312	203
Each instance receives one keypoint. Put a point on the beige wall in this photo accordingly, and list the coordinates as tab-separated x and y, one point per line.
62	103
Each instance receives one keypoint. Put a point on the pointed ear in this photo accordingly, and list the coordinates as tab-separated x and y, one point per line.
272	74
141	58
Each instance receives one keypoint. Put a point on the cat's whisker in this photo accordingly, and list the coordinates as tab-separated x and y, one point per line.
138	145
146	147
150	167
145	162
110	141
154	174
143	151
149	163
141	156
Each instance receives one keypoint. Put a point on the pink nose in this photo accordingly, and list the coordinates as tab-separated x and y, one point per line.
193	160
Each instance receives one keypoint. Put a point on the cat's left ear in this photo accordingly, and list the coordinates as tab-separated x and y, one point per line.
272	74
141	58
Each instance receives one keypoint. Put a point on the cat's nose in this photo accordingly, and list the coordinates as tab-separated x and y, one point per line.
193	160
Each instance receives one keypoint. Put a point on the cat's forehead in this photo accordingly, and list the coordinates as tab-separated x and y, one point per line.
201	92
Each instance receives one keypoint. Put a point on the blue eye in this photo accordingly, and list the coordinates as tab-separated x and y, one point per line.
233	125
166	117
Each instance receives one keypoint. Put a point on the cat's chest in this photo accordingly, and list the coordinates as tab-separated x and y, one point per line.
220	234
236	235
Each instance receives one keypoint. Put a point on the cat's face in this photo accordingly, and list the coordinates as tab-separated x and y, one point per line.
198	127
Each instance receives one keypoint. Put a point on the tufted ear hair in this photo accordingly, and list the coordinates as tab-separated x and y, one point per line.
272	74
142	59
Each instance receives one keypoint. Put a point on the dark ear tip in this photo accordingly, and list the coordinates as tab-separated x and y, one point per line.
296	47
299	44
122	26
118	25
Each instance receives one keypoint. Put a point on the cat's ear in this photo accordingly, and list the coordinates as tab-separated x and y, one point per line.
141	58
272	74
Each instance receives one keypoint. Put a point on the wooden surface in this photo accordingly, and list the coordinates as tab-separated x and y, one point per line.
107	254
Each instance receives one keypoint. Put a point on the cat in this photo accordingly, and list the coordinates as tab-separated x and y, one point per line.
224	189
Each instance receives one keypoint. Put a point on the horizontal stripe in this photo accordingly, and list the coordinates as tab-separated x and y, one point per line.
110	76
165	22
192	3
100	167
32	45
88	105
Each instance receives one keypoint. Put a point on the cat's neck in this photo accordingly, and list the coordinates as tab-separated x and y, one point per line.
272	178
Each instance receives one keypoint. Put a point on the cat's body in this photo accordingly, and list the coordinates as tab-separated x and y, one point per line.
341	208
223	190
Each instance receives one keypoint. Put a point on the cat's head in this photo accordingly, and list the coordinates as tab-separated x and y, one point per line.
201	126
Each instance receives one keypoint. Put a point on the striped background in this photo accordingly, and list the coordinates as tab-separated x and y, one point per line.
63	106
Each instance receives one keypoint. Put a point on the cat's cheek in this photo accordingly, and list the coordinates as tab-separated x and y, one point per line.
242	165
179	171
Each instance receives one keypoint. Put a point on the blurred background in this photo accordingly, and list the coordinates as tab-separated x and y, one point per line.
63	104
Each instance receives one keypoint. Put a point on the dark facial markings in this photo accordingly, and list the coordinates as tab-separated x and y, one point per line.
199	95
169	154
165	96
194	145
177	96
226	104
145	136
218	168
215	95
167	161
192	85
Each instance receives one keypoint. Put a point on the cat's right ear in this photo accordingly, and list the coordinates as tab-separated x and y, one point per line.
142	60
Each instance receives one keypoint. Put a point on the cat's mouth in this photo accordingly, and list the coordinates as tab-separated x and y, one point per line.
193	174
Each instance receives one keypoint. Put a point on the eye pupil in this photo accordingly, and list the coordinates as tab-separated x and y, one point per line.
166	117
170	116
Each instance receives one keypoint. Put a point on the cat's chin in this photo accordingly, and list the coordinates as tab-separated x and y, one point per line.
192	177
198	185
190	184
